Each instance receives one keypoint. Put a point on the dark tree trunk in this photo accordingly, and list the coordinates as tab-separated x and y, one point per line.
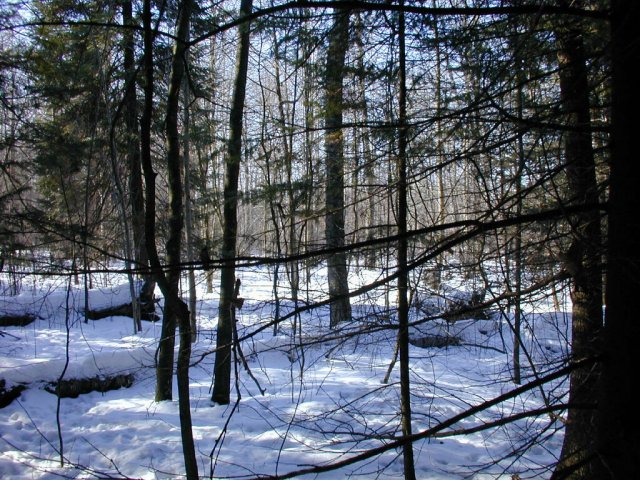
334	150
618	424
188	210
136	187
169	286
164	371
135	168
403	277
582	261
222	369
175	308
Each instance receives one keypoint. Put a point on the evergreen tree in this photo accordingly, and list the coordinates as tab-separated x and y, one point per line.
340	309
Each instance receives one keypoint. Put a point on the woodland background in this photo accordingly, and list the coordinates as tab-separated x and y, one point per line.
176	142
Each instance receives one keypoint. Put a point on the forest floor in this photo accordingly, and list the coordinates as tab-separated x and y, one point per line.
324	400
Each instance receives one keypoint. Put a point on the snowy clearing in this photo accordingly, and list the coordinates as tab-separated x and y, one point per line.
324	398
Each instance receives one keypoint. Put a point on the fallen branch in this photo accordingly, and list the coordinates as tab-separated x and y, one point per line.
73	387
147	312
17	320
9	395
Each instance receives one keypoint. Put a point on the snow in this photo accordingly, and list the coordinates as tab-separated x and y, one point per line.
323	401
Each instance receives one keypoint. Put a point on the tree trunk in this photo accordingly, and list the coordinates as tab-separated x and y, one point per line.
310	173
174	306
369	163
439	151
164	372
119	197
293	269
136	189
618	425
517	250
274	220
340	309
403	305
188	211
582	260
222	369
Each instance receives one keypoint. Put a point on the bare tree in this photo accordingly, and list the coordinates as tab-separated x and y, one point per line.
222	369
403	274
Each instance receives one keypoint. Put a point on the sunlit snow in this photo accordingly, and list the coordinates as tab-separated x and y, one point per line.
324	398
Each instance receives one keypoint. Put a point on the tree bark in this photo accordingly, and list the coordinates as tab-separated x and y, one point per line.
273	213
149	208
369	163
164	373
222	369
293	269
403	277
517	240
136	198
175	308
582	260
188	210
618	425
340	308
119	197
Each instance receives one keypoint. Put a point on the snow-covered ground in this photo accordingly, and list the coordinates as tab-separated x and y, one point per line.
324	399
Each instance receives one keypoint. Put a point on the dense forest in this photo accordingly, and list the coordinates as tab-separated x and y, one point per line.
318	177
